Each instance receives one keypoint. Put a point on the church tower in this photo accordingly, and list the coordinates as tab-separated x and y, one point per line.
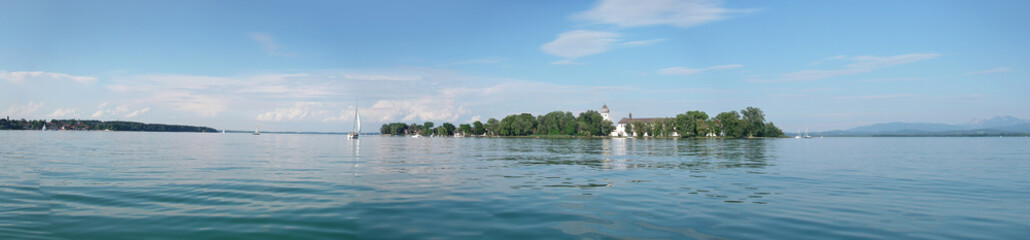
604	113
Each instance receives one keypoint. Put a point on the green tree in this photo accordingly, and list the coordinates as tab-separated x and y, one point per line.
730	124
427	128
517	125
478	128
592	124
493	126
465	129
772	131
753	121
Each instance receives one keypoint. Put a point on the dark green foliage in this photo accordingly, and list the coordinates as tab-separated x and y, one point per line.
74	124
556	123
517	125
772	131
592	124
478	128
691	124
729	124
445	129
493	126
753	121
465	129
397	128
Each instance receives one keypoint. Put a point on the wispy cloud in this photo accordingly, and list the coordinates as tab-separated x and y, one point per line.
677	13
137	112
579	43
299	111
478	61
27	110
691	71
643	42
878	97
118	111
903	79
269	44
994	70
22	77
859	64
63	113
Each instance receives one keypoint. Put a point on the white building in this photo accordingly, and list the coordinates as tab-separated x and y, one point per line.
620	127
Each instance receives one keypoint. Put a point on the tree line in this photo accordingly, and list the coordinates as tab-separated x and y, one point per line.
749	122
75	124
588	123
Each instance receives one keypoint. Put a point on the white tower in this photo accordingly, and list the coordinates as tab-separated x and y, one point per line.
604	113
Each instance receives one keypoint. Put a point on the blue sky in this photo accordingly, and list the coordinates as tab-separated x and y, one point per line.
306	65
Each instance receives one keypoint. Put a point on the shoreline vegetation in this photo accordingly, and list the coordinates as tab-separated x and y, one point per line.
96	125
748	123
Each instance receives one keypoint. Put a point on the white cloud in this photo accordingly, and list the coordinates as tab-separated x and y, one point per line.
903	79
21	77
478	61
137	112
268	44
27	110
64	113
878	97
994	70
643	42
690	71
376	77
299	111
859	64
120	110
678	13
579	43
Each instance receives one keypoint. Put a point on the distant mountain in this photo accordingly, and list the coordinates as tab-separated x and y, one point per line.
996	126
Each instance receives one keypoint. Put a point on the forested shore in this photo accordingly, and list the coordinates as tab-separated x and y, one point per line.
96	125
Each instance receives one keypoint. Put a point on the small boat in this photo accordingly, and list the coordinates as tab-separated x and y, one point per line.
806	133
44	127
223	131
357	126
799	134
256	130
415	136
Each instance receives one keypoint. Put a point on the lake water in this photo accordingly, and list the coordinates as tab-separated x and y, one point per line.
129	185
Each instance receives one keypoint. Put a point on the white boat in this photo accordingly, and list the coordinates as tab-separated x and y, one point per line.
806	133
44	127
415	136
799	134
256	130
357	126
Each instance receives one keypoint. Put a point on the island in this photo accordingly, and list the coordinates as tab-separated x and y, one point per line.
95	125
748	123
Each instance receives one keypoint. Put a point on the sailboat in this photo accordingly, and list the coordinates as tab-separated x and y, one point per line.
799	134
806	133
44	127
256	130
357	126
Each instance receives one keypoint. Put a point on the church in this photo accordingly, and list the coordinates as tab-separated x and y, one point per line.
620	127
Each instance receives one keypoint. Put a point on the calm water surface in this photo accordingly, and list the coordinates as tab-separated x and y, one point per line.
124	185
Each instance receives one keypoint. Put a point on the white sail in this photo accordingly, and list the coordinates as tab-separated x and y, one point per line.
357	122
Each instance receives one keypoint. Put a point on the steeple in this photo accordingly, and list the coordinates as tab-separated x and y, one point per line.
604	113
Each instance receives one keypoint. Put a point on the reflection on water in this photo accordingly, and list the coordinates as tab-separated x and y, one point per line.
621	153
